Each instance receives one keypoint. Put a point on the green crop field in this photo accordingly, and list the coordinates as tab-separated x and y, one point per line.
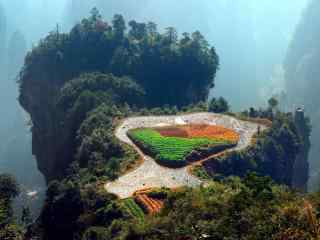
133	209
169	149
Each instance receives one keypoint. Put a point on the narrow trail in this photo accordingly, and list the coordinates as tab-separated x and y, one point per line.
150	174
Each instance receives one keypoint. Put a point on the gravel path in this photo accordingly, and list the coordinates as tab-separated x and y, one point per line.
150	174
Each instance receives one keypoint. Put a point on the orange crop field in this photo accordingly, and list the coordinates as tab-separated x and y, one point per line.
200	131
152	205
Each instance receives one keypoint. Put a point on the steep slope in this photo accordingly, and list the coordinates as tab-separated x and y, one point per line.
302	76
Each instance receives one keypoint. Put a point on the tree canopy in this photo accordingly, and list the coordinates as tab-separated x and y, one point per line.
131	65
219	105
171	70
8	186
9	189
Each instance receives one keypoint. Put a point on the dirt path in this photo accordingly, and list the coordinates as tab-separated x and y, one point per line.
149	174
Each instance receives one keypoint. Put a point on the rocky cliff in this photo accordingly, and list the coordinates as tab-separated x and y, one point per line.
38	98
301	166
302	78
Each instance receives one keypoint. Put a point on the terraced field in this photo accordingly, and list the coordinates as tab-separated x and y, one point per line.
152	205
152	175
172	151
133	209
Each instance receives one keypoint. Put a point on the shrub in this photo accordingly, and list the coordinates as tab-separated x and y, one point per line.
159	193
97	233
8	186
133	209
219	105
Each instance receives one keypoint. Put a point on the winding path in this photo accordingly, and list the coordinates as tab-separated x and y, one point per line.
149	173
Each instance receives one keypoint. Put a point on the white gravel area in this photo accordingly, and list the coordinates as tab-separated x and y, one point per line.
149	173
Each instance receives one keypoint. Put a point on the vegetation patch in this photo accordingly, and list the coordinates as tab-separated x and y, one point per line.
201	173
156	193
133	209
175	147
159	193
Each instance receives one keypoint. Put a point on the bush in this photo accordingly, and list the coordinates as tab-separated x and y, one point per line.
218	105
96	233
133	209
9	187
159	193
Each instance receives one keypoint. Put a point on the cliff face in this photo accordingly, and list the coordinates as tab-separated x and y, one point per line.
44	73
49	141
302	77
280	152
301	166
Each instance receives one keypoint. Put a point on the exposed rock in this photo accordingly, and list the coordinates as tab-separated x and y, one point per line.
49	141
301	166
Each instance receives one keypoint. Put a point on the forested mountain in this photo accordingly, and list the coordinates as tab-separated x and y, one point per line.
77	9
238	30
184	68
78	86
302	76
120	110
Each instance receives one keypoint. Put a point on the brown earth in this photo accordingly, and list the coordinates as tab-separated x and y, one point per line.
200	131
